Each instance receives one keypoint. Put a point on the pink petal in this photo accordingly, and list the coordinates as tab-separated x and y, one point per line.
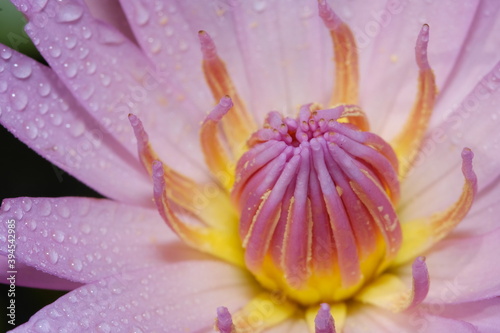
83	240
462	269
482	314
273	50
27	276
435	181
477	56
180	297
375	320
388	67
39	111
172	45
111	78
110	12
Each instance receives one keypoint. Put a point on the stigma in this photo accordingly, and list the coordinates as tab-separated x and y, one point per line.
317	198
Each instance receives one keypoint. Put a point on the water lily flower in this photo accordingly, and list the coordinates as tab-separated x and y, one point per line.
254	183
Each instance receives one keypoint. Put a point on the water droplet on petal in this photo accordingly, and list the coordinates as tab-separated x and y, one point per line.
39	5
43	89
155	46
70	41
21	71
44	208
54	313
63	211
53	256
104	328
6	53
76	265
85	228
259	6
42	326
31	225
6	206
83	53
105	80
43	108
169	31
3	86
91	67
26	203
70	69
54	51
56	119
58	236
31	130
141	14
69	12
19	100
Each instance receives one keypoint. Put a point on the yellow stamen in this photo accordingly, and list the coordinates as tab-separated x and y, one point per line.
238	125
408	141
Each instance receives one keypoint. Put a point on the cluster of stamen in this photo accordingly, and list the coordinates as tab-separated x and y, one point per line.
316	198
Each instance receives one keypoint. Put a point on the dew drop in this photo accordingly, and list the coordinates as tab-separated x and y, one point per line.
39	5
105	80
73	298
31	130
53	256
3	86
6	53
155	46
43	108
77	129
70	41
26	203
169	31
19	100
58	236
21	71
85	228
69	12
86	32
42	326
43	89
141	14
63	211
259	6
6	206
183	46
104	328
54	51
91	67
83	52
70	69
44	208
76	265
31	225
54	313
56	119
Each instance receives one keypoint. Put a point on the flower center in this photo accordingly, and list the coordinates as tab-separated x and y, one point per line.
317	199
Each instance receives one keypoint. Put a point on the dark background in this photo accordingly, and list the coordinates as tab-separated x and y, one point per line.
24	173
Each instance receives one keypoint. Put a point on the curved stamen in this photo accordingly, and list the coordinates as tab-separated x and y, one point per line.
238	125
346	61
216	156
421	234
410	138
388	291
